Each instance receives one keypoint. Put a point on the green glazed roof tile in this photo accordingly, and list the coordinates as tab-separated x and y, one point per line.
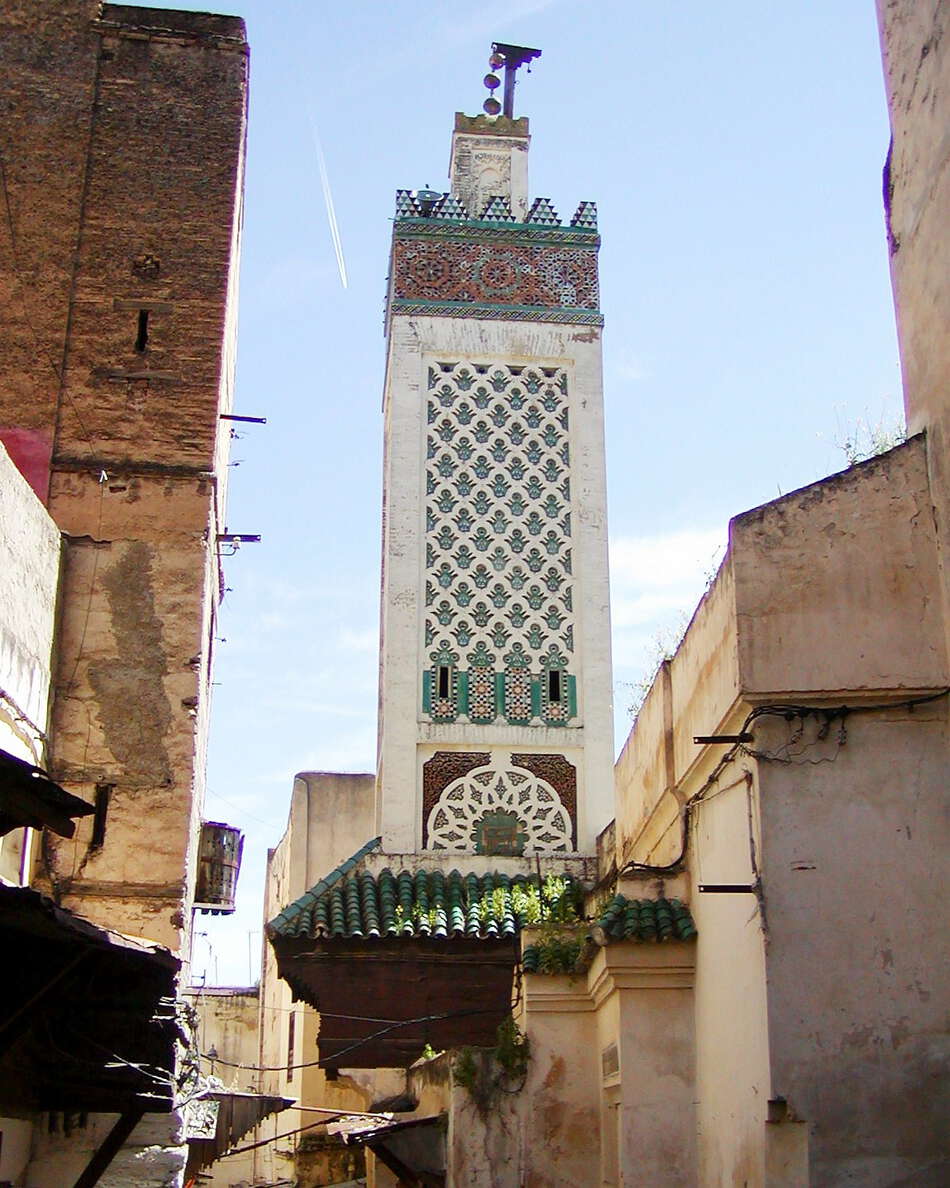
640	920
647	919
298	919
350	903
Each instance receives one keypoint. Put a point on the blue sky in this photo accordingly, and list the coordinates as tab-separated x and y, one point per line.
735	153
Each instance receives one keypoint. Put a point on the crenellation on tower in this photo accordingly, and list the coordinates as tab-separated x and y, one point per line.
450	263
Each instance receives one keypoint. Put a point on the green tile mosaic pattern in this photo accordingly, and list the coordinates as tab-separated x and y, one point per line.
359	905
499	590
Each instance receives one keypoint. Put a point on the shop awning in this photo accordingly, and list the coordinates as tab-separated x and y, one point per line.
413	1149
232	1115
87	1015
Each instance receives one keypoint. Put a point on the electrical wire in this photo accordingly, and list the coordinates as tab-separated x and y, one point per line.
357	1044
275	1137
777	709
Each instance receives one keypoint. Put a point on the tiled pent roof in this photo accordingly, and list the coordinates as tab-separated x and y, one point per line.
423	903
286	923
646	919
352	903
642	920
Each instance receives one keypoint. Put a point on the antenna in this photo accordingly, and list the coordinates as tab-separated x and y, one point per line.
511	57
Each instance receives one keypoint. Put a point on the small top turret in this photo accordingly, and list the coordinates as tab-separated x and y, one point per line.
490	152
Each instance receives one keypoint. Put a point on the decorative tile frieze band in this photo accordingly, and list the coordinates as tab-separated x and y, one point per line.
479	231
514	274
503	313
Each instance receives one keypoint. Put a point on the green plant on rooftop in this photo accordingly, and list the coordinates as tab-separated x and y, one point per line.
558	954
555	900
864	439
415	915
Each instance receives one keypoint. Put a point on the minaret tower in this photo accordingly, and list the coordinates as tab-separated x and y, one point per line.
495	673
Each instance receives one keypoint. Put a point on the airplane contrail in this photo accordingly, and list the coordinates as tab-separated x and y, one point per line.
328	200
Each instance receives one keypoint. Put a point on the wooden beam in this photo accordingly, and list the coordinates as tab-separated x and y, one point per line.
110	1147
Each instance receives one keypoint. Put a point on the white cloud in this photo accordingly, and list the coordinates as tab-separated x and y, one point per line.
656	582
670	561
359	641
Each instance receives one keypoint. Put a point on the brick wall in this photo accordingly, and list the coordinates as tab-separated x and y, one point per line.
122	140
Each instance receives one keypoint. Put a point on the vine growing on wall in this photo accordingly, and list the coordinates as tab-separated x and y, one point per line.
486	1073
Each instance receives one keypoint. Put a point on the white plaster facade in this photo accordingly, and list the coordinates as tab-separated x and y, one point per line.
407	739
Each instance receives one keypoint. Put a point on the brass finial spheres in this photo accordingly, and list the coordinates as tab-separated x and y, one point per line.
511	57
491	105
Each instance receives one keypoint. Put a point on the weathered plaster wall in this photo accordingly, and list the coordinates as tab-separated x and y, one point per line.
560	1103
828	578
830	594
643	996
272	1162
855	866
228	1023
732	1039
917	199
331	815
489	158
695	693
486	1147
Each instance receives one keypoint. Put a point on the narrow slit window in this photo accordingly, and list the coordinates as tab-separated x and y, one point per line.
555	686
141	337
443	680
291	1027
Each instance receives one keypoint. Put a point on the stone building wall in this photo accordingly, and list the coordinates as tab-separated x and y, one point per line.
917	199
118	266
122	154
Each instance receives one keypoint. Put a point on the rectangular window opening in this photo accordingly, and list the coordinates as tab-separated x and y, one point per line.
555	686
101	806
443	680
291	1025
141	338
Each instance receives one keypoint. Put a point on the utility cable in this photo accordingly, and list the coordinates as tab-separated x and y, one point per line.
357	1044
778	709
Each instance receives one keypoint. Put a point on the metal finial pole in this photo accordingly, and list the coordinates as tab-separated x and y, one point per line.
515	56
